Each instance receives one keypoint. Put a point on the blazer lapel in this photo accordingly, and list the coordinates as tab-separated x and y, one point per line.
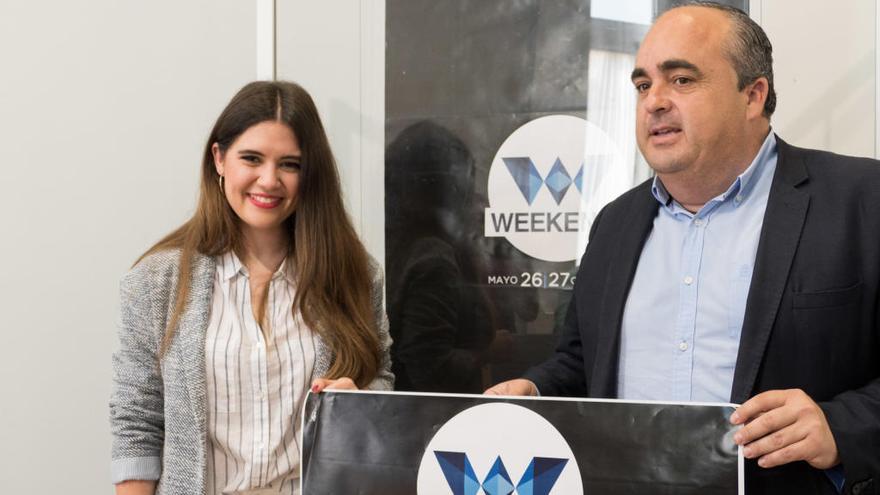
193	324
633	234
780	234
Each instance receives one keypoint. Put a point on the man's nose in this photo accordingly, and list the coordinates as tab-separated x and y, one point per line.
656	99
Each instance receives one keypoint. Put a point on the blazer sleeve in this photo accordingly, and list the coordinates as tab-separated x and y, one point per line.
385	379
854	419
137	421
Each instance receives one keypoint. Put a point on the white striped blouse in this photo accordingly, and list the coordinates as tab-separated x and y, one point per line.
256	387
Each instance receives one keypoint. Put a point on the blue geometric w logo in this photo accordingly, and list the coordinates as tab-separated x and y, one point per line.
529	180
538	478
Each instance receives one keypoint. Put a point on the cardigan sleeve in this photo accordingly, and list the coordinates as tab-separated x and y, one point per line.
385	379
136	403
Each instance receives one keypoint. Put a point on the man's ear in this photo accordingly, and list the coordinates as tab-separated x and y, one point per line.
218	158
757	93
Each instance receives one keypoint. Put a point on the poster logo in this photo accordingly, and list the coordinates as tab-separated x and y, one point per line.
542	185
538	479
476	451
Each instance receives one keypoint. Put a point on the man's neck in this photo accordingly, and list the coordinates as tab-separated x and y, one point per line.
693	190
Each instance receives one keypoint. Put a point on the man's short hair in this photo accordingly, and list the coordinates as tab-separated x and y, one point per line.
748	49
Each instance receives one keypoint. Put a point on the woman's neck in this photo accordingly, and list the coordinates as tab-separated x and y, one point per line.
264	250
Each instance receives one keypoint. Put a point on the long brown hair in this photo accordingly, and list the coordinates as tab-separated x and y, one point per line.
330	263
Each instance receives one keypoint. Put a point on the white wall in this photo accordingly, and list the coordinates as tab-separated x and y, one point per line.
336	50
104	109
825	70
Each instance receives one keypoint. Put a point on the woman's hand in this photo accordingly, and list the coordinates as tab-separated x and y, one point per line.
136	487
344	383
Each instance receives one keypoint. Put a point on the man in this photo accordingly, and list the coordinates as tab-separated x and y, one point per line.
746	271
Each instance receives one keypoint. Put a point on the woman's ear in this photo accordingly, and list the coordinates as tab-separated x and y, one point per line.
218	158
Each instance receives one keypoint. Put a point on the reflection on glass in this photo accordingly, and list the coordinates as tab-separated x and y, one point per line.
441	321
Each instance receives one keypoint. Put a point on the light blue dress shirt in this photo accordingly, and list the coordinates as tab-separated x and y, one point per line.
684	313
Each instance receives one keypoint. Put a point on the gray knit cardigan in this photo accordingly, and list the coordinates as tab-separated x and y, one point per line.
157	416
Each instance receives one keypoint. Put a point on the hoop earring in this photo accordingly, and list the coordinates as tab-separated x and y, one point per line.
220	182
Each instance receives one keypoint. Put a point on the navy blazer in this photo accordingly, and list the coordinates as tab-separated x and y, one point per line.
811	319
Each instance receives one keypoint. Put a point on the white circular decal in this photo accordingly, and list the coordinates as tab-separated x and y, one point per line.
541	182
498	449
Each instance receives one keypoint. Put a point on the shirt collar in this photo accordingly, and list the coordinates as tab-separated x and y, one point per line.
745	182
230	266
285	270
741	186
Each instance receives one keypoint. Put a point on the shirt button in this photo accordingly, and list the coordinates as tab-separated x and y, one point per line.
738	198
688	280
698	222
683	346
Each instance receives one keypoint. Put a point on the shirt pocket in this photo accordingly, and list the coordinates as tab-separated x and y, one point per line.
740	282
227	393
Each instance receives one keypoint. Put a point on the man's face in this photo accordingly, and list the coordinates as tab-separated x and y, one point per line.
690	115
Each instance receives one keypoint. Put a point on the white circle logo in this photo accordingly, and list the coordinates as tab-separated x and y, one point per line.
502	449
542	186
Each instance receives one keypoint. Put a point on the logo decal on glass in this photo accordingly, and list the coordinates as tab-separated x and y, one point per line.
529	180
546	184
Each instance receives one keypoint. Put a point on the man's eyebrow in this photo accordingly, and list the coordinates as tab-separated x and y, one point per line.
677	63
667	66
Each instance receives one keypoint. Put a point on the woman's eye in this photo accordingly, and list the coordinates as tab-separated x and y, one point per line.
291	165
251	158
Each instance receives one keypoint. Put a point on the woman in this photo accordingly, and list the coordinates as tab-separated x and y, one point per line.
227	321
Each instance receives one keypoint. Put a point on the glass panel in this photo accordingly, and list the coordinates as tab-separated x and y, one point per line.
509	125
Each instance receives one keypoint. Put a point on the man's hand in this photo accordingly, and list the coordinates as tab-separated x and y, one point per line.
783	426
519	386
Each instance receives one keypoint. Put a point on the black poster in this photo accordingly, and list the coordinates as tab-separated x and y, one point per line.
438	444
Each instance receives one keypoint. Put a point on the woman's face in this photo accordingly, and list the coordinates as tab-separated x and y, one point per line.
260	172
